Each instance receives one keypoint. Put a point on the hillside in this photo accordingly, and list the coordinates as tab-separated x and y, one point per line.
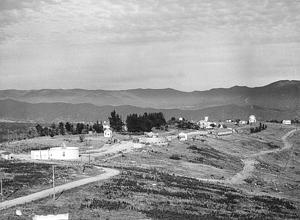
49	112
282	95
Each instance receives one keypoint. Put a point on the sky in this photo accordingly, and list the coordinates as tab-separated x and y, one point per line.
123	44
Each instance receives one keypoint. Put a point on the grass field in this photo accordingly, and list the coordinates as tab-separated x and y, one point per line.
160	182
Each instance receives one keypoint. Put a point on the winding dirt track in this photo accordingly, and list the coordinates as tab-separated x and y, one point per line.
58	189
249	163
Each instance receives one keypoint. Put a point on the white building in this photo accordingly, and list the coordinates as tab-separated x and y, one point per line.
252	119
287	122
56	153
107	133
242	122
205	124
206	118
182	136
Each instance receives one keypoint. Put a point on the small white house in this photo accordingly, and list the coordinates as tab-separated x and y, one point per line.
287	122
252	119
107	133
182	136
206	118
242	122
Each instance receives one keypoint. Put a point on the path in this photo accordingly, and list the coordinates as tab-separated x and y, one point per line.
249	163
58	189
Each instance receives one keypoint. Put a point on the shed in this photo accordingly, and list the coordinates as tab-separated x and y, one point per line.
287	122
182	136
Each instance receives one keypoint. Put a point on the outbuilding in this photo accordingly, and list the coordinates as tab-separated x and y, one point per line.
107	133
56	153
182	136
287	122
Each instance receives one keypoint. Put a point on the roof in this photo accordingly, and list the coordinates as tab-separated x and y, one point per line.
5	153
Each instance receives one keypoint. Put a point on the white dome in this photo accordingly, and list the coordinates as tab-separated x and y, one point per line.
252	117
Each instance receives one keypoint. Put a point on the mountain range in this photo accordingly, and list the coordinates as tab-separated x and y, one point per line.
279	100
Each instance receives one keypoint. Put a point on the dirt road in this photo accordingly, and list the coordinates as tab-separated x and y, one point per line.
249	163
58	189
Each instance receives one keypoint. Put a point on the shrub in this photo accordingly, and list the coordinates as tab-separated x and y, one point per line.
81	138
175	157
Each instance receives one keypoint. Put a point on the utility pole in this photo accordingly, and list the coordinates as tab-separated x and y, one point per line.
1	190
53	182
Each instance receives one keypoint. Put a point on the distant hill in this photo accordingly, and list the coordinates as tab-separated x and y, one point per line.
283	95
54	112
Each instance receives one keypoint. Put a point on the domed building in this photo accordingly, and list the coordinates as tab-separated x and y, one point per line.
252	119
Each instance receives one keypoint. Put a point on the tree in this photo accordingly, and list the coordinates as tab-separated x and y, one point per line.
39	129
68	127
79	128
115	121
61	127
145	122
98	127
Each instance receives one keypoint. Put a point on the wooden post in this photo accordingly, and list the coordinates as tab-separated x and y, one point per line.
53	181
1	190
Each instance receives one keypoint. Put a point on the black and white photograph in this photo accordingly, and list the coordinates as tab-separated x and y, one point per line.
149	109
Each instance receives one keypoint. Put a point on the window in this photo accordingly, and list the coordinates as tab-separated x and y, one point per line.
64	154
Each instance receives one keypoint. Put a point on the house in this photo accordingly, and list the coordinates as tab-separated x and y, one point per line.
252	119
56	153
182	136
6	155
205	124
206	118
107	133
287	122
242	122
228	120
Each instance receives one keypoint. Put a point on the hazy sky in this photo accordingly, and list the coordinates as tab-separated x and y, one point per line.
120	44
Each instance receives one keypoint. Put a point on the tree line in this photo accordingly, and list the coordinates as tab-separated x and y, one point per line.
68	128
145	122
134	122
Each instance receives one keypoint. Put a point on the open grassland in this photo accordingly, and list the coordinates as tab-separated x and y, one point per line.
147	193
23	178
14	131
205	178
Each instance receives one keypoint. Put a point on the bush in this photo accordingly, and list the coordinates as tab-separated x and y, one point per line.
81	138
175	157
